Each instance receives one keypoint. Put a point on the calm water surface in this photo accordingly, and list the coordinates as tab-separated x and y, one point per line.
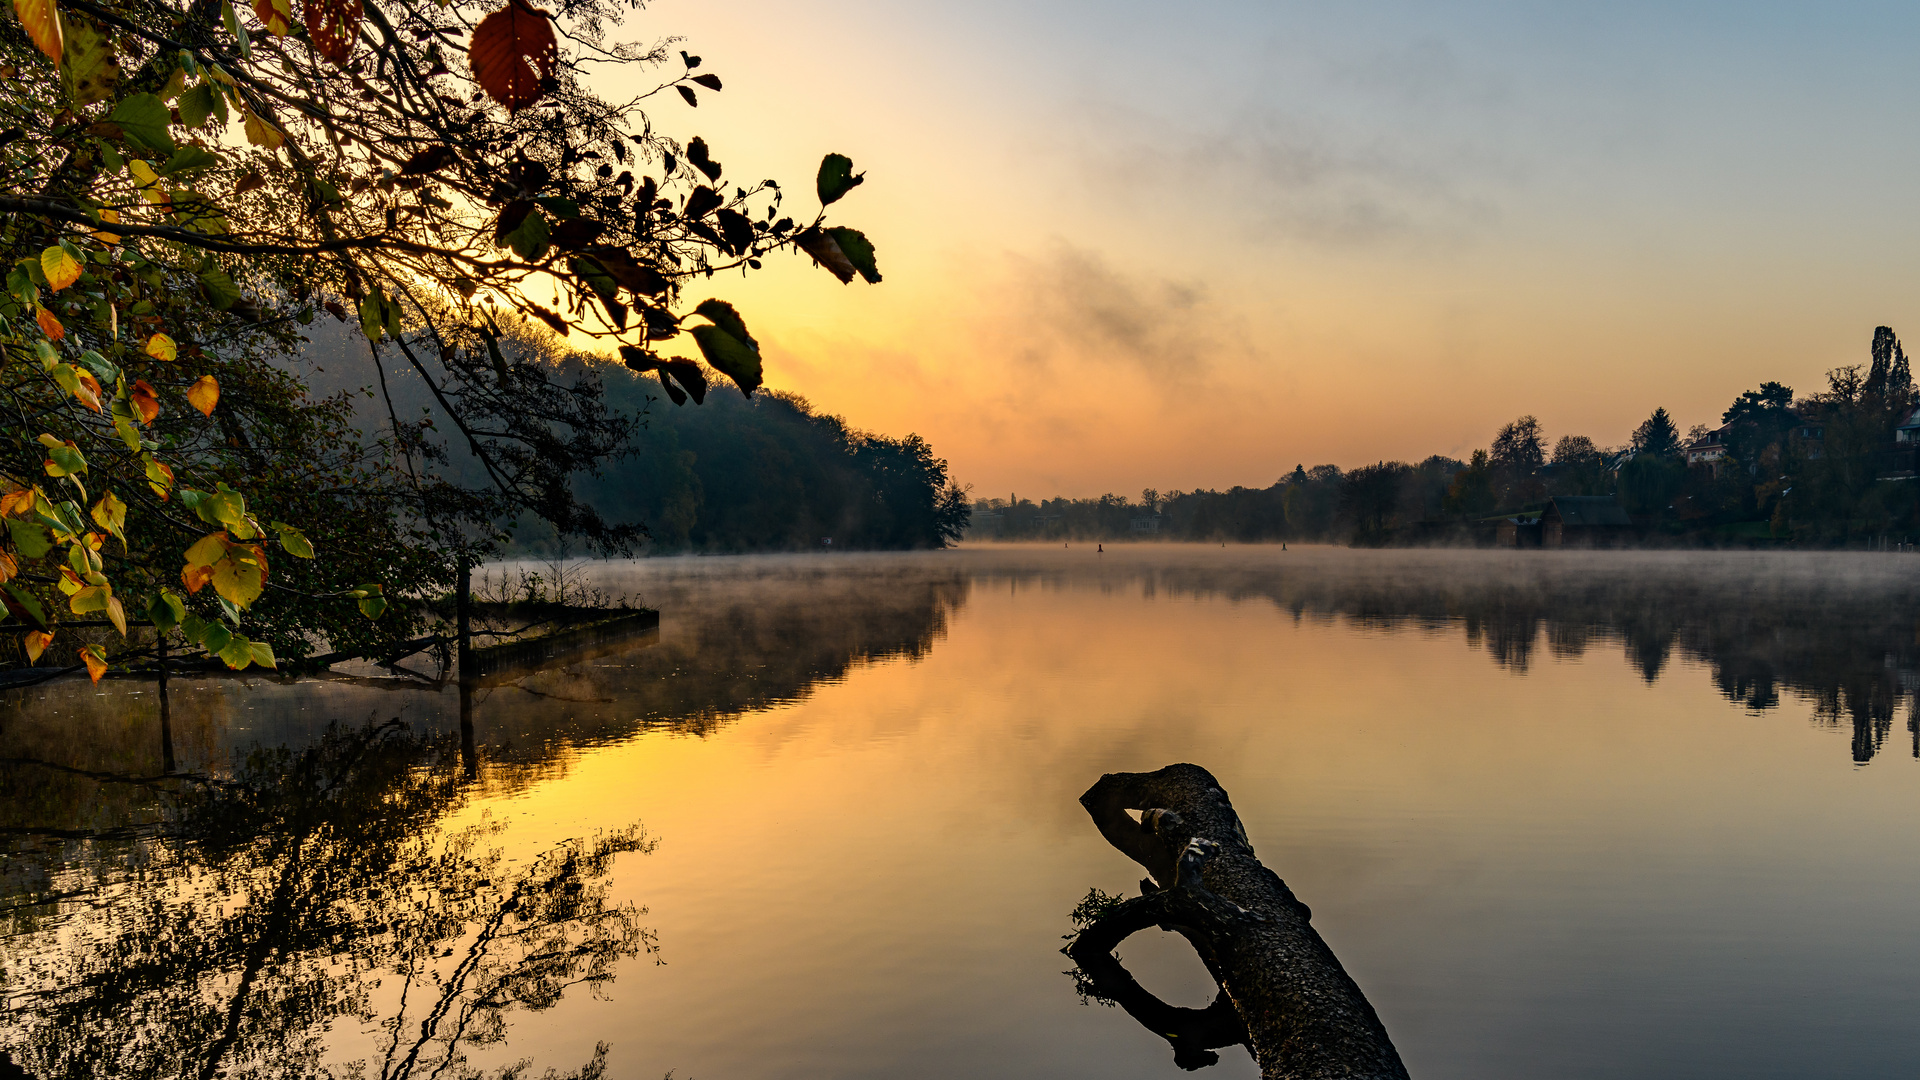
1560	816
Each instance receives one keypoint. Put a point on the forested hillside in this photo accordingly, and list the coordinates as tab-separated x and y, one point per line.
731	475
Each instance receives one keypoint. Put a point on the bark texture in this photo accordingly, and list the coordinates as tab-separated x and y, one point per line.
1298	1011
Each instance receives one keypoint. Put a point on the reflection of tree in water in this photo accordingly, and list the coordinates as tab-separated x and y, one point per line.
729	649
1841	638
311	890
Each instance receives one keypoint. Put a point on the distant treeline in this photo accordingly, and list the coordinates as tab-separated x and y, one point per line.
730	475
1832	468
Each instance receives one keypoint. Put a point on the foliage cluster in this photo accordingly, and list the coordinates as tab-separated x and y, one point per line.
187	188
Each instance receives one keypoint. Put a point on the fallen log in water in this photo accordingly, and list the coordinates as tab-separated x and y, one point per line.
1282	992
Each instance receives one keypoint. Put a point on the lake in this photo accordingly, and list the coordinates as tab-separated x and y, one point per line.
1560	815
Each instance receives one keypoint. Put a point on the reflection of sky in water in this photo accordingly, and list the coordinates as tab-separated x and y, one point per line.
1619	848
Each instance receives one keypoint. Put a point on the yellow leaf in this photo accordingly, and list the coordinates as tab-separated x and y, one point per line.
61	268
95	658
204	394
112	217
161	347
142	173
8	567
159	477
277	15
18	502
49	324
117	614
111	514
42	22
88	68
88	392
37	642
261	133
87	599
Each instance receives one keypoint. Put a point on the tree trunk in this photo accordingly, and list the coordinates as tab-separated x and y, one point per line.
1299	1012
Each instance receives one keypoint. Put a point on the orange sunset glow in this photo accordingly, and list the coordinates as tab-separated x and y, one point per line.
1143	245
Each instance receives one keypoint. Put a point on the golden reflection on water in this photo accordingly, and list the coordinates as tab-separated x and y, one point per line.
861	774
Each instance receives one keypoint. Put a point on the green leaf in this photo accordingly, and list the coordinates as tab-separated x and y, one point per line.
529	240
292	540
166	611
213	637
722	315
87	66
371	600
858	250
65	461
30	540
239	32
187	159
836	178
729	356
221	292
373	311
25	607
237	652
142	120
196	105
103	369
262	653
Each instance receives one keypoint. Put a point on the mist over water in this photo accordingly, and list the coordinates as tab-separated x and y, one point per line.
1560	814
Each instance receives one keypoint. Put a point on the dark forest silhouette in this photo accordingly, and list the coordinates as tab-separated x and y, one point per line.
1831	468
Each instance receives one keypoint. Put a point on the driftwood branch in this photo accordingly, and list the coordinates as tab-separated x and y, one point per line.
1282	991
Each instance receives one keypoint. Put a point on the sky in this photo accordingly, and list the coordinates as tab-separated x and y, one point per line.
1192	245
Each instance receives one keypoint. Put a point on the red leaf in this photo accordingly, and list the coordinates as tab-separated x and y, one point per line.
333	25
507	47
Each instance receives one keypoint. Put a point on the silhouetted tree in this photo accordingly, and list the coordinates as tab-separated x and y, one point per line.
1657	436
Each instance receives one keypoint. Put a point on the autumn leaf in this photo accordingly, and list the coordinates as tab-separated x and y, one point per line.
36	643
159	477
236	571
194	577
17	502
146	403
49	323
95	657
88	68
61	268
204	394
110	216
42	22
275	15
261	133
161	347
88	391
111	514
333	25
507	47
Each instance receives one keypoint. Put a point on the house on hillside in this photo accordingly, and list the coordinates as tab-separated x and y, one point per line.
1708	450
1581	521
1908	431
